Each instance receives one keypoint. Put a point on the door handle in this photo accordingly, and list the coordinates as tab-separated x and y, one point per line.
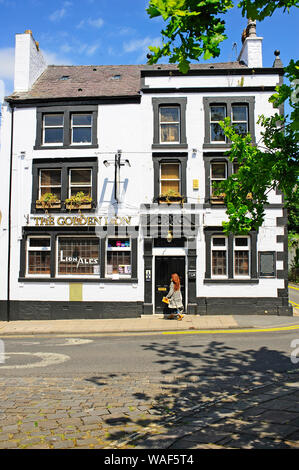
162	289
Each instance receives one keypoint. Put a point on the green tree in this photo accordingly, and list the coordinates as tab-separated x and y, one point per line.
194	29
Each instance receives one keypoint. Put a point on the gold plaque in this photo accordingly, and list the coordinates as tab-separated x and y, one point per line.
162	288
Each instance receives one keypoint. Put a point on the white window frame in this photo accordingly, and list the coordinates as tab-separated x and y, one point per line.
36	248
178	123
219	142
75	276
54	144
111	249
52	185
74	126
242	248
179	179
79	185
212	180
219	248
241	122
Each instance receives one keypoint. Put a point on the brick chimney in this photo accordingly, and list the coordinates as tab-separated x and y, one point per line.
251	53
29	61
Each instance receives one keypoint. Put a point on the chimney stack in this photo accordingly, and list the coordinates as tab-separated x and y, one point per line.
29	61
251	53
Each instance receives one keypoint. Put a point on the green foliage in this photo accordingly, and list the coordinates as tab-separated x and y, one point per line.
78	199
195	29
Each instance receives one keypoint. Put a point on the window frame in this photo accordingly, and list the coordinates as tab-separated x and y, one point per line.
164	123
52	186
167	157
217	122
227	101
75	126
71	186
241	122
67	112
44	127
64	165
179	179
217	199
225	249
117	249
181	103
241	248
74	276
28	249
211	232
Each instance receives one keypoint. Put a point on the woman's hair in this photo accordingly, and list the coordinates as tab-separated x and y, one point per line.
176	280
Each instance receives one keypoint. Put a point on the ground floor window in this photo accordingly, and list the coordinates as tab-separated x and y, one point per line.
241	256
118	257
230	257
219	256
78	256
38	256
65	255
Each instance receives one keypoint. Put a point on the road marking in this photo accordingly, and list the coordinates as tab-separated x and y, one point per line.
291	287
249	330
47	359
75	342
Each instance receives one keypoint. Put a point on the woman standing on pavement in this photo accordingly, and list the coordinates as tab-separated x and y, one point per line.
175	298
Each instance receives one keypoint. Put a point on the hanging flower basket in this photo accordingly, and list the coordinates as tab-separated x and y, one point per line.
171	197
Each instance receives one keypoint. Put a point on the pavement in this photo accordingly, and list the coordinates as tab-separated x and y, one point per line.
147	324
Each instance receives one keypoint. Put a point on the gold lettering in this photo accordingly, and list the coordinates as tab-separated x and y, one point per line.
83	222
97	220
127	220
91	221
51	220
60	221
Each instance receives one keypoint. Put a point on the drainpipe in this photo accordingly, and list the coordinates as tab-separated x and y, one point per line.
9	212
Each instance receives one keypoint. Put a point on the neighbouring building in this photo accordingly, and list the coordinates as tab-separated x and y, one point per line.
106	189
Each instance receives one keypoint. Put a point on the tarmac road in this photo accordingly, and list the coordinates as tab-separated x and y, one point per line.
100	392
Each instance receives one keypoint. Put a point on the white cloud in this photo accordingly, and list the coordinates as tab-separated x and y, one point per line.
52	58
140	44
57	15
96	23
7	63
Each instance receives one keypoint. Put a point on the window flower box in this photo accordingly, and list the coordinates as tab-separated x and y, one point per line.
48	201
171	197
78	201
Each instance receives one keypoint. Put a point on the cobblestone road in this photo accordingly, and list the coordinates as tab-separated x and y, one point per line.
134	411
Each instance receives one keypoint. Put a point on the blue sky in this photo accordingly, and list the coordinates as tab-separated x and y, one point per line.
83	32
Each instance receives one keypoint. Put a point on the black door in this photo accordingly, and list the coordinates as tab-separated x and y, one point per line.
165	266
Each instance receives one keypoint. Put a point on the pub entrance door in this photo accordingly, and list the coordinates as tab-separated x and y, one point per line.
164	267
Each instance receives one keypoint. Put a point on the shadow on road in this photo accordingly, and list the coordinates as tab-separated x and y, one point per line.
221	371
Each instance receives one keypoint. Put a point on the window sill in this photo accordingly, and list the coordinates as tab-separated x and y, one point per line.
231	281
81	280
169	146
64	147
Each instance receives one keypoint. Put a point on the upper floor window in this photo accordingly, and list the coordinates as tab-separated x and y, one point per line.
169	122
53	129
81	128
218	173
170	179
217	113
66	126
240	119
239	109
55	181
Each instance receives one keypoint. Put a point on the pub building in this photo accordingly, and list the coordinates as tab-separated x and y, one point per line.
106	184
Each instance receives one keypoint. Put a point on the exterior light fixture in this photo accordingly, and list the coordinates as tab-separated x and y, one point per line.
169	236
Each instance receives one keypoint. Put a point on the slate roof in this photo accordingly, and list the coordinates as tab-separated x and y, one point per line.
65	81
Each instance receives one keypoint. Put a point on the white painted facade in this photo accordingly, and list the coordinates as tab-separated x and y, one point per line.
129	127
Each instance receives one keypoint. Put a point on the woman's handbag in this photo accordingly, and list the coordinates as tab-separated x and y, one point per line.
165	300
